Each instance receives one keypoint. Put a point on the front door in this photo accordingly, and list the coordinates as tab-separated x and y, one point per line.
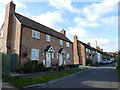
48	59
60	60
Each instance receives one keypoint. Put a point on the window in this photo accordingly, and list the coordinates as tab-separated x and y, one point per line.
35	34
57	55
89	50
48	38
34	54
1	34
68	56
52	55
67	44
61	42
0	48
86	50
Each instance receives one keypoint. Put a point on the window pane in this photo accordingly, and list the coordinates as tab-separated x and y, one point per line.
52	55
61	42
38	35
33	33
37	55
32	54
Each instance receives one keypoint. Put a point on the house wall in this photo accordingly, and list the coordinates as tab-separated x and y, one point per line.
28	43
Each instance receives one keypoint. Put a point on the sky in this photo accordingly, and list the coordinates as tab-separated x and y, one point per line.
90	21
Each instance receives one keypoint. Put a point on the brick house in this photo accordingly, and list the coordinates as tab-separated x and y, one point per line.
82	52
22	35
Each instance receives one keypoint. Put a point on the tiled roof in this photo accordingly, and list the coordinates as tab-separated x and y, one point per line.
89	47
39	27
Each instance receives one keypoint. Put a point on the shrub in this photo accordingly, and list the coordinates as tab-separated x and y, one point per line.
25	54
73	66
47	69
89	62
118	65
62	67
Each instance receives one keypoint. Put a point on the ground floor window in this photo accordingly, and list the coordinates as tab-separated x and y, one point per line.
34	54
68	56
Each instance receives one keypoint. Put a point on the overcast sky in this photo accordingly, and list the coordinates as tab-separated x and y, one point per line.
90	21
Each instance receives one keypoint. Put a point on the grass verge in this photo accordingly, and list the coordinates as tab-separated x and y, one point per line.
26	81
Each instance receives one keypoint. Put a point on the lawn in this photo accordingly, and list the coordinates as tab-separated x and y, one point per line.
26	81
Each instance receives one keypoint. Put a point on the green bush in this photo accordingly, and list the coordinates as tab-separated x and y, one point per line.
47	69
73	66
89	62
62	67
5	63
118	65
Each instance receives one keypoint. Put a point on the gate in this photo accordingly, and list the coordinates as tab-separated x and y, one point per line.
13	62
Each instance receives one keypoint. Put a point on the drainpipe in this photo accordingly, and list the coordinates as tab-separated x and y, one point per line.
20	45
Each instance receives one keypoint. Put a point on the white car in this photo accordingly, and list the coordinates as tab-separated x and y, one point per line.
109	61
112	59
104	61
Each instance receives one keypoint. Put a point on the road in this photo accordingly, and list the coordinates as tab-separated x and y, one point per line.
104	76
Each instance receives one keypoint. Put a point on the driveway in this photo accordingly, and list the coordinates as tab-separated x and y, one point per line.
104	76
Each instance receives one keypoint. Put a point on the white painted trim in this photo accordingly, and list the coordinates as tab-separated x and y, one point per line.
16	19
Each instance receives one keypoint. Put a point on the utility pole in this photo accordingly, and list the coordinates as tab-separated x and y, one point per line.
96	43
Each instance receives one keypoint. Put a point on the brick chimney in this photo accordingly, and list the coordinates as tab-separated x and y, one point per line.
89	43
98	48
75	50
10	8
101	50
63	32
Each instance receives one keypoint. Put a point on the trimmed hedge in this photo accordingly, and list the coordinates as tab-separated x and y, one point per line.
118	65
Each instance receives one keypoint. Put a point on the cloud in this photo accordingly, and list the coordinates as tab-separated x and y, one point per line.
83	22
96	10
110	21
80	32
64	4
18	4
2	8
50	19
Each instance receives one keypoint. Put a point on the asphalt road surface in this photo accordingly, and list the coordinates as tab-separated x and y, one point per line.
104	76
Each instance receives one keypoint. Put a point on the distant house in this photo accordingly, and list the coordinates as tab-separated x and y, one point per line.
22	35
83	52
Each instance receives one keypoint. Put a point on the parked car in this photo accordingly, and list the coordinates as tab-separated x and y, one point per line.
104	61
109	61
112	59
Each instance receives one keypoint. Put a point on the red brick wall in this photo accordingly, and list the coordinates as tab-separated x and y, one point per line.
28	42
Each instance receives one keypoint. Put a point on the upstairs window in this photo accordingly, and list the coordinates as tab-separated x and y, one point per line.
48	38
1	34
34	54
35	34
86	50
61	42
67	44
68	56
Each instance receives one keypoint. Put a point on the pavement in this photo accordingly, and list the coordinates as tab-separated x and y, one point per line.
104	76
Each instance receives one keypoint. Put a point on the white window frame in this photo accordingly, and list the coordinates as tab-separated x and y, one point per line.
48	38
35	56
61	42
68	57
1	34
37	34
67	44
